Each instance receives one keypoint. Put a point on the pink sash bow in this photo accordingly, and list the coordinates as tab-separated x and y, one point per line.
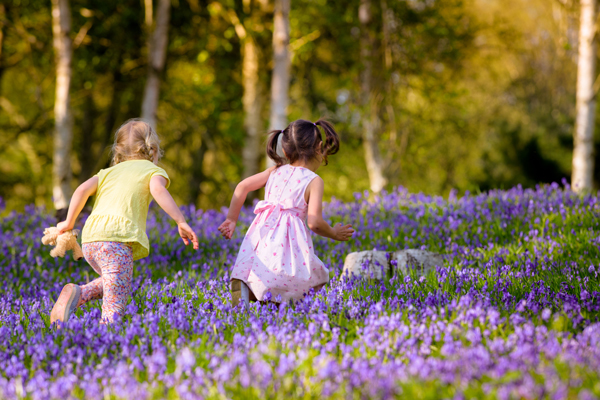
274	210
283	205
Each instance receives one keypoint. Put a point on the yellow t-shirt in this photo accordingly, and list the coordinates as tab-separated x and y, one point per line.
121	205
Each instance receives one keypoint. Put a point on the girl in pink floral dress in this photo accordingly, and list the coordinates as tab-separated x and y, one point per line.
277	255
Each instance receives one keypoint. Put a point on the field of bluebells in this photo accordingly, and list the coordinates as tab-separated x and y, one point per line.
514	312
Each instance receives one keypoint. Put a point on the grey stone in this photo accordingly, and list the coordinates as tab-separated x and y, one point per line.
355	264
377	264
421	261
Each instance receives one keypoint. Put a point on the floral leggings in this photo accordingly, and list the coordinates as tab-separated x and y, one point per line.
113	261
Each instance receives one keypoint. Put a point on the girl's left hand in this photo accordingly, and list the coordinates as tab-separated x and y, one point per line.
227	228
64	226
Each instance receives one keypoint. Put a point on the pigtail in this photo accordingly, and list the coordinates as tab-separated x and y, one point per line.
272	148
331	144
148	149
152	143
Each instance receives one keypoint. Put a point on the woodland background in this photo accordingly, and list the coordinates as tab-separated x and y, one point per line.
462	95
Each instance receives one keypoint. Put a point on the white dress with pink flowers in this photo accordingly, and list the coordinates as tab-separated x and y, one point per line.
277	254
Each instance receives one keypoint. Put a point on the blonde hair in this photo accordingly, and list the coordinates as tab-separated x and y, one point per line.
136	140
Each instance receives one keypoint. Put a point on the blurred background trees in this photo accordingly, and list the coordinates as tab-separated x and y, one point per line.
431	95
583	153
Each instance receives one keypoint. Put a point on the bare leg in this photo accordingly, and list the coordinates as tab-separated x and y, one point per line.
245	297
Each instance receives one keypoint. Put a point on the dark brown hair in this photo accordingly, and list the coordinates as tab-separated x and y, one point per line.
303	140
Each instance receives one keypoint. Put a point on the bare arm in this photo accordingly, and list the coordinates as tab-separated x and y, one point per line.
158	189
246	186
316	223
78	200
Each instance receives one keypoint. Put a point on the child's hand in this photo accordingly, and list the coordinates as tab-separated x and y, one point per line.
64	226
187	234
227	228
343	233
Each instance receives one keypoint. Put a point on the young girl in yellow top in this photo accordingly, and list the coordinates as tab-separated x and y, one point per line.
114	234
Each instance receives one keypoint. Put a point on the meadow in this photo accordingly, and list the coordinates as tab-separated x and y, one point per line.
513	313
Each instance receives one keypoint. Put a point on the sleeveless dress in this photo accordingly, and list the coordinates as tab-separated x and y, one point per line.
277	254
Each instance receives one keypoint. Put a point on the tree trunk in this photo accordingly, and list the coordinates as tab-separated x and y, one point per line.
583	152
252	107
102	157
2	25
373	157
157	54
280	81
86	155
2	17
197	174
63	134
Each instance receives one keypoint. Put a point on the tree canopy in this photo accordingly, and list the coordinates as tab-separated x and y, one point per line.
467	94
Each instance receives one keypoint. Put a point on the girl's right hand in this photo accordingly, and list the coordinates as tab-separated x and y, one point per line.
343	233
227	228
187	234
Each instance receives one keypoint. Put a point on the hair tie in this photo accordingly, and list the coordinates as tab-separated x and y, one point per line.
314	123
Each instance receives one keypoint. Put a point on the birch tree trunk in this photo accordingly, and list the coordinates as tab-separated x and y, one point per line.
87	160
251	99
373	157
252	107
157	54
2	17
583	152
280	81
63	133
197	173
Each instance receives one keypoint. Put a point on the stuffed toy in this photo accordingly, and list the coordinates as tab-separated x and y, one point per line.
63	242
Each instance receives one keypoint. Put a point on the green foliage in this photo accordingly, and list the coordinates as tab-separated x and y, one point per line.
469	95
